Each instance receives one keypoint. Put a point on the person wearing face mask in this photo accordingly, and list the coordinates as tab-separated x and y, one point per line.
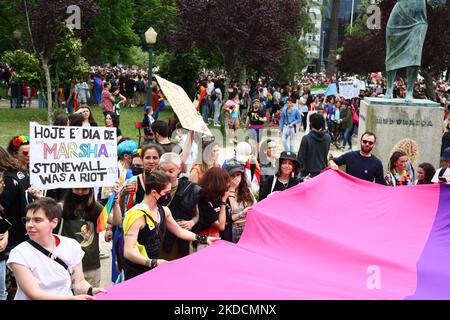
137	166
144	227
79	222
134	187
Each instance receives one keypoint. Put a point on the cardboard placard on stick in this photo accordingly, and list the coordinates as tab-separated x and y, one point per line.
183	106
72	157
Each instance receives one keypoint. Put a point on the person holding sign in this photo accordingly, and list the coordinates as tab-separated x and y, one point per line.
48	267
79	222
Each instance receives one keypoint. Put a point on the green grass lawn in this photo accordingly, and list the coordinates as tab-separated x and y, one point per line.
15	122
3	92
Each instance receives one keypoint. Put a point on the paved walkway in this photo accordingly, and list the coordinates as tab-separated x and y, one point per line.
6	104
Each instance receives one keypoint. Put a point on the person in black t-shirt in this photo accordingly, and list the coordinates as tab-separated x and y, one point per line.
362	164
254	124
161	131
214	206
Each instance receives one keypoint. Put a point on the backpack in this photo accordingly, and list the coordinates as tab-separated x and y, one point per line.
120	243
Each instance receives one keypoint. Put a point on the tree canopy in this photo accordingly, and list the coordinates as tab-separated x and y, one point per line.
247	33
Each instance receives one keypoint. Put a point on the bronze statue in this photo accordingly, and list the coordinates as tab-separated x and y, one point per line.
405	35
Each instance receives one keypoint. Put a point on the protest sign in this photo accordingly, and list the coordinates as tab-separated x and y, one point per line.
183	107
72	157
331	90
349	89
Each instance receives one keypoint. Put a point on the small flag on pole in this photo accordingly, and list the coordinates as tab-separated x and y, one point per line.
102	219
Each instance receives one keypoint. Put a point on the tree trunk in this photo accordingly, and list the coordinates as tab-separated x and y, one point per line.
230	68
334	33
429	85
243	75
49	90
56	85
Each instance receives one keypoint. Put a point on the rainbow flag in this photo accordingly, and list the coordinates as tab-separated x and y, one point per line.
103	217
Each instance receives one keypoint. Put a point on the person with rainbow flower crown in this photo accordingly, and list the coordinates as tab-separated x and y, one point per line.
398	174
19	148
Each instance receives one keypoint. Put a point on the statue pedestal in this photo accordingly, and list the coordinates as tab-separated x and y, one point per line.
395	119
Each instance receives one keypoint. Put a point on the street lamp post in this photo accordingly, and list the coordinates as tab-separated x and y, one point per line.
150	39
17	35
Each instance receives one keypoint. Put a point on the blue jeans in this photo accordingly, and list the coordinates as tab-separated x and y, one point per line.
217	105
155	113
348	137
3	293
288	134
205	110
14	103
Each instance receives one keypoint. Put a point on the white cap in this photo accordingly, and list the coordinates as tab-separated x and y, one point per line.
243	152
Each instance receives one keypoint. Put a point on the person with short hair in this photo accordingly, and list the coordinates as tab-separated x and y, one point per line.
144	226
161	131
268	160
314	147
362	164
43	277
183	206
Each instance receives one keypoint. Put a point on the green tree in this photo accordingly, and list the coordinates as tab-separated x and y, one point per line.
113	34
46	26
181	68
67	63
334	33
25	65
138	57
292	61
10	21
247	34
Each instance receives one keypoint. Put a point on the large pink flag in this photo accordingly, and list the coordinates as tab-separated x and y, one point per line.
333	237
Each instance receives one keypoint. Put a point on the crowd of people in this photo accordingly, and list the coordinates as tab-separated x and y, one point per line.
174	195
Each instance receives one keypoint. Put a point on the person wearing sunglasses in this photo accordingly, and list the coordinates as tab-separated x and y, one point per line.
362	164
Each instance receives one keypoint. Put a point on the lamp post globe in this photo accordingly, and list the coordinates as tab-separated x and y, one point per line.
150	39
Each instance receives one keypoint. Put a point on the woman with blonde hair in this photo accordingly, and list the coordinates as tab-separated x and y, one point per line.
411	148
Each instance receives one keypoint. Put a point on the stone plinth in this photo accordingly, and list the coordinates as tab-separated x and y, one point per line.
395	119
